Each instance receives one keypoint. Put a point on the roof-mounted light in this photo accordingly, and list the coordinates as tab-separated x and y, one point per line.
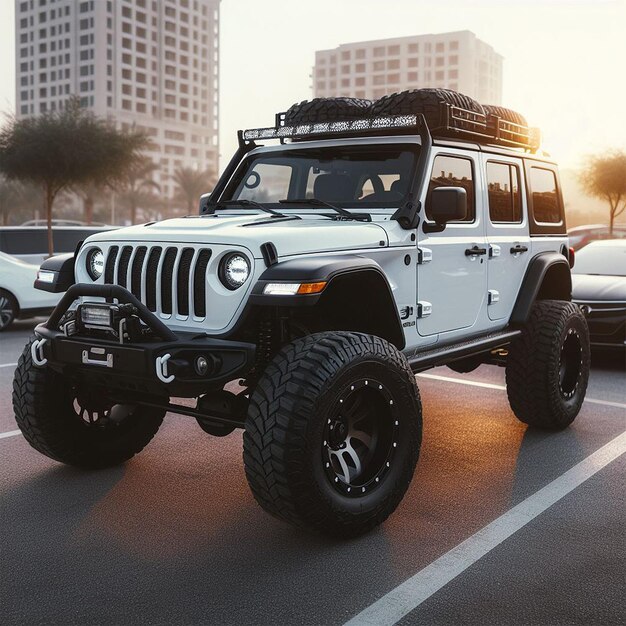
329	128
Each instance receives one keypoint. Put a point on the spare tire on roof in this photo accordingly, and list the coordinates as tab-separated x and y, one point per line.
505	114
327	110
424	101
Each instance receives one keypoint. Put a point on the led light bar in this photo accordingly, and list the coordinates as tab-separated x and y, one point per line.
325	128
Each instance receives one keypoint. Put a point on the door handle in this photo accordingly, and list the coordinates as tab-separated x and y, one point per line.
475	251
518	249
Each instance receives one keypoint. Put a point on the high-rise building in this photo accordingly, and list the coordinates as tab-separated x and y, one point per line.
371	69
148	63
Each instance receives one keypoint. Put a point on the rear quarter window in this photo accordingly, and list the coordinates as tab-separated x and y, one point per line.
545	197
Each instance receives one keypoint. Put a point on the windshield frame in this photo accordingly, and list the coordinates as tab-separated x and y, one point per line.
296	149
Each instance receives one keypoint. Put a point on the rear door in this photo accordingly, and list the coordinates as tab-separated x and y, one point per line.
506	216
451	271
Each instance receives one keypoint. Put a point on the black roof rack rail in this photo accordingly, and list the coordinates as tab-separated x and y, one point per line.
454	122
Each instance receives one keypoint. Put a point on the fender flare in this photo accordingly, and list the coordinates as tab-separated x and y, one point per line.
534	280
62	268
333	270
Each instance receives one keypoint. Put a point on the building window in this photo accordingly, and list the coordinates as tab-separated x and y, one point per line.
379	52
414	48
360	53
393	50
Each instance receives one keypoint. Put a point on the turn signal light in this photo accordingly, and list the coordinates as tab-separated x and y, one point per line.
309	288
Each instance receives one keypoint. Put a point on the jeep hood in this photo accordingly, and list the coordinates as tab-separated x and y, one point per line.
592	287
252	230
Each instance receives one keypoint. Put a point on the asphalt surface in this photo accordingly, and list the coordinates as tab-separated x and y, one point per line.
175	537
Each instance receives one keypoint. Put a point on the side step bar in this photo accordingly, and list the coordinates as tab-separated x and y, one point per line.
425	359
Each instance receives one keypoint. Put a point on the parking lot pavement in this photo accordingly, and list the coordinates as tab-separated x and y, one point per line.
174	536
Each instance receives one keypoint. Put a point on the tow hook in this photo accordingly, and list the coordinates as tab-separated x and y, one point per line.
36	352
161	368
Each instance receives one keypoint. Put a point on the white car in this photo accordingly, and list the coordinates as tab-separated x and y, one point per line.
18	296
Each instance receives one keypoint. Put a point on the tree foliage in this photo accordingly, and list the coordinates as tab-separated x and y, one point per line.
191	184
63	149
605	177
136	186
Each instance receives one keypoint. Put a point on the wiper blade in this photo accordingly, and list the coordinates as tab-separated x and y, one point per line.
366	217
246	203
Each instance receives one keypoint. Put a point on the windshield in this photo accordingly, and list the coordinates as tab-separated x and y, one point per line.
375	176
601	260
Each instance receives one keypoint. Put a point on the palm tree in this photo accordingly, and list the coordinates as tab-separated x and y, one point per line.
136	186
191	184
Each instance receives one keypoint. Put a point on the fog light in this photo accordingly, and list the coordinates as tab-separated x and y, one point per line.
201	366
96	316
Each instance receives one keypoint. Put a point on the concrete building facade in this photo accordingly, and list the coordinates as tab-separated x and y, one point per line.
371	69
148	63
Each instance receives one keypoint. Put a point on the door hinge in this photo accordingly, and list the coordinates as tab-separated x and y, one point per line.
493	296
494	250
424	255
424	309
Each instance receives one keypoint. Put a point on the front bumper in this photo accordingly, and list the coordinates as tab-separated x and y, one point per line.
163	364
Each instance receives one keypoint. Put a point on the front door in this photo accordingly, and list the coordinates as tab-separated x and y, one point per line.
451	271
506	216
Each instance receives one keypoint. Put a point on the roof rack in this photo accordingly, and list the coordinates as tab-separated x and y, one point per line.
454	122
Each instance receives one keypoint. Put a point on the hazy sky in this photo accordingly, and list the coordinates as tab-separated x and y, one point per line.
564	60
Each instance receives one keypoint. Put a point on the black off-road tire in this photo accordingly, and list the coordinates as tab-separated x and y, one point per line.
9	309
287	425
327	110
424	101
42	402
506	114
547	368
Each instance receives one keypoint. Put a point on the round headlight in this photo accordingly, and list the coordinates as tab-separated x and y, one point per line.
234	270
95	263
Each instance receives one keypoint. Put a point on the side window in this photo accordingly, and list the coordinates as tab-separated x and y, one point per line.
505	203
544	195
267	182
449	171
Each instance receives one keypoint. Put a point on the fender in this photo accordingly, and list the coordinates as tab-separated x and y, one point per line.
60	275
356	286
548	276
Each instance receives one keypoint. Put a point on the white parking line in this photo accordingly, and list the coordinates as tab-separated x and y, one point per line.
410	594
475	383
10	433
8	365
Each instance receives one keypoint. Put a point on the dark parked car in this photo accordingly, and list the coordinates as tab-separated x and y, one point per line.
30	243
580	236
599	288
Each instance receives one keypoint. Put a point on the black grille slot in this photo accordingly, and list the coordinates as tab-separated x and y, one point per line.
135	276
122	268
199	283
184	269
166	280
151	278
109	268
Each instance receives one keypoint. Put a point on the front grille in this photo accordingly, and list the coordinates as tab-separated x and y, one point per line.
169	281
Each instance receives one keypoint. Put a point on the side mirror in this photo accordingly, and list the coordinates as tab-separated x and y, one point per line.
447	204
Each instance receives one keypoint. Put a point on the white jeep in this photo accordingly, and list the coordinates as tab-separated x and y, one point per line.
371	242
